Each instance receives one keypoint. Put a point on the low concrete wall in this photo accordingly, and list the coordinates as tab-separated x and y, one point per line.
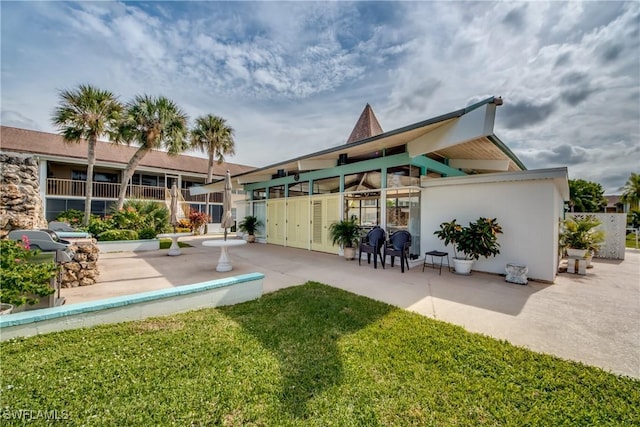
129	245
214	293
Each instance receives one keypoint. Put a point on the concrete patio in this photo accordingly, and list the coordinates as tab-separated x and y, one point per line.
594	319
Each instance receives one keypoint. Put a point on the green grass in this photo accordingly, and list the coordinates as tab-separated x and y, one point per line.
308	355
166	243
630	241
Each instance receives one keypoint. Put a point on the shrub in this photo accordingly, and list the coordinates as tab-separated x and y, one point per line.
154	215
73	217
23	280
111	235
99	225
197	219
147	233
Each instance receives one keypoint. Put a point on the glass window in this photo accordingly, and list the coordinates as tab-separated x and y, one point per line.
276	192
299	189
403	213
259	194
364	208
362	181
327	185
97	176
403	176
150	180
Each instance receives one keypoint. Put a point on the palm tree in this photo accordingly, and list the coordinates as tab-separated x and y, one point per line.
631	191
87	113
213	136
152	123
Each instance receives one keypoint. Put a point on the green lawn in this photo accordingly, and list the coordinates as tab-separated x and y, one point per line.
631	240
309	355
166	243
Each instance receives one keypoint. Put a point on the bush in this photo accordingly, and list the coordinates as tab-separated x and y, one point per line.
148	218
147	233
154	215
197	219
23	281
111	235
73	217
99	225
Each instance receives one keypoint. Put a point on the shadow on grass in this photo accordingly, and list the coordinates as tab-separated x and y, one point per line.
302	326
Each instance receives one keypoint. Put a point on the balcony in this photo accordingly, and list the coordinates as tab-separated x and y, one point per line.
107	190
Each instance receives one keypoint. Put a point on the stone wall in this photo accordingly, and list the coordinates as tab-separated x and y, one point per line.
21	208
20	203
83	269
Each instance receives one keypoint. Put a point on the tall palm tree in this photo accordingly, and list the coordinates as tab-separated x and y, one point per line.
631	191
152	123
213	136
87	113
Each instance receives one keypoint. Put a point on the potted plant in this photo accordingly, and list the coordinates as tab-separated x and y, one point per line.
345	233
250	225
478	239
580	237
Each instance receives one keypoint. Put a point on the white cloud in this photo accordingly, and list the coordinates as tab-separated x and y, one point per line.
294	77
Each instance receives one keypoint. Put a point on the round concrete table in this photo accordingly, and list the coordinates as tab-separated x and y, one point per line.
224	264
174	249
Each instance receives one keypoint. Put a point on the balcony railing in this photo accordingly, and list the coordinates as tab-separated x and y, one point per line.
107	190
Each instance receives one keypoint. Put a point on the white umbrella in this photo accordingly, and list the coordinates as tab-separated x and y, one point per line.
227	217
174	206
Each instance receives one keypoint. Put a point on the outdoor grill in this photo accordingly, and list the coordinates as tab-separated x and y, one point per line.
52	248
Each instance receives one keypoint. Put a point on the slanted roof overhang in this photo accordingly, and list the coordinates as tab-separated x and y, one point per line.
463	134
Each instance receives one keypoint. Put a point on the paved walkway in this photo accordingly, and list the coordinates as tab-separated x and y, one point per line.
594	319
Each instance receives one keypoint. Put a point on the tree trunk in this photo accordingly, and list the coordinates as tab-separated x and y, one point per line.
209	179
88	191
128	173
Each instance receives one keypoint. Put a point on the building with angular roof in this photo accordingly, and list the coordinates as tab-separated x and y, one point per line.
413	178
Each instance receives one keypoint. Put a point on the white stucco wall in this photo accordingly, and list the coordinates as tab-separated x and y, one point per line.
527	209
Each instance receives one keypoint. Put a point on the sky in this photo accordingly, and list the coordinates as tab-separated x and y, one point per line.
292	78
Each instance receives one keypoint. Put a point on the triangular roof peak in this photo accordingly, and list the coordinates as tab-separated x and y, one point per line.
366	126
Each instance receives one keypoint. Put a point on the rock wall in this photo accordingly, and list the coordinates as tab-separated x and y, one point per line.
21	208
20	203
83	270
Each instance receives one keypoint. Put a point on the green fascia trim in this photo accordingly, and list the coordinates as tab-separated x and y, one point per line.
432	165
506	151
363	166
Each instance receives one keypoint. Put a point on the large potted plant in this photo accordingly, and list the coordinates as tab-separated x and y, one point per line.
478	239
580	237
250	225
345	233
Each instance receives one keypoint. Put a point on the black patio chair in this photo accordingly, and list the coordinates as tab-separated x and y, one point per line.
398	245
372	243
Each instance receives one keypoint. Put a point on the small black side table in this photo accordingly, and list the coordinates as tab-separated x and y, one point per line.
438	254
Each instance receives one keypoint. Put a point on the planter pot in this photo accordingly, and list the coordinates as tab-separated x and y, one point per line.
517	274
6	308
251	238
129	245
349	253
577	253
462	266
